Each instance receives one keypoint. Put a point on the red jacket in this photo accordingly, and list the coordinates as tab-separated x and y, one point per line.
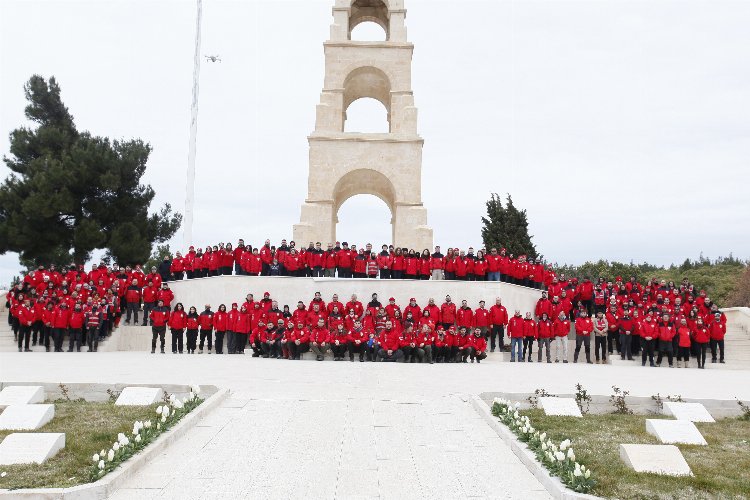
562	328
498	315
319	335
344	259
543	306
178	320
464	317
684	336
665	331
515	327
76	318
242	322
159	316
701	334
545	329
584	326
61	317
481	318
529	328
220	321
479	343
191	322
206	320
389	340
717	330
448	312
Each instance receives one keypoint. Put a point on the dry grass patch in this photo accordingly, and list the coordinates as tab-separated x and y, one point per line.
89	428
721	469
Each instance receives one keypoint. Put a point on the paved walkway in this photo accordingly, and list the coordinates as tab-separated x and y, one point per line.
345	430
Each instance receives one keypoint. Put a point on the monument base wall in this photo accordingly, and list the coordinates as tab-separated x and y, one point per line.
287	290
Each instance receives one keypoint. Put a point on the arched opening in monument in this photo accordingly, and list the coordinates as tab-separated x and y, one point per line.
367	81
365	219
366	115
369	11
359	182
369	31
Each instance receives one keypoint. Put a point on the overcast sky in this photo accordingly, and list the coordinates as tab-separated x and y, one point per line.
622	127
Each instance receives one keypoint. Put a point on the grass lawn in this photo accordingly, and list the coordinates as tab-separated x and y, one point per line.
88	428
721	469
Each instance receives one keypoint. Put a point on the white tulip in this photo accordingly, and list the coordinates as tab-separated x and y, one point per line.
147	424
196	389
172	398
577	473
565	444
543	436
165	411
544	446
158	426
116	446
560	456
497	401
138	438
572	456
3	474
110	455
120	436
159	410
518	405
101	464
163	418
125	442
102	453
95	458
587	474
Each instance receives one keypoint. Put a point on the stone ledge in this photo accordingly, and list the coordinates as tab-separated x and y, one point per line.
106	486
552	484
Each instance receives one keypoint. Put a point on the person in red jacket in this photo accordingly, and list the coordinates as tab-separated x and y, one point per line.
76	328
389	344
701	336
299	340
529	336
133	301
516	334
241	329
649	336
219	324
481	319
192	324
206	325
627	331
543	305
25	318
448	313
477	349
319	339
498	320
159	317
177	323
344	262
584	327
440	347
545	333
149	293
60	324
683	342
464	315
665	333
717	328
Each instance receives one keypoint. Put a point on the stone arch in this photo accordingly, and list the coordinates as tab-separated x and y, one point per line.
363	181
375	11
367	81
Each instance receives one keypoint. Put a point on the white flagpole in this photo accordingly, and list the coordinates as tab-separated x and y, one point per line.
190	184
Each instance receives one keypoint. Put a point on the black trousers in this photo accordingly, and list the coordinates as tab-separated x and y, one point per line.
625	342
240	342
357	349
478	357
647	351
147	306
424	353
133	308
270	350
45	336
440	354
156	331
92	337
295	350
339	351
57	336
499	332
24	335
76	337
600	343
219	343
528	343
665	347
394	356
385	274
714	345
683	353
702	347
192	338
36	330
205	336
613	340
584	340
177	339
409	351
231	342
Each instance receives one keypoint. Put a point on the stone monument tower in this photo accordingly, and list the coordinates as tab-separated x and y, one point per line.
345	164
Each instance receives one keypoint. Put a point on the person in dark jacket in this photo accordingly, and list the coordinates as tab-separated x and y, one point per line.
165	269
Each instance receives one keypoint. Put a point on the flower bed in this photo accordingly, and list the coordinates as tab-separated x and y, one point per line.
144	432
558	458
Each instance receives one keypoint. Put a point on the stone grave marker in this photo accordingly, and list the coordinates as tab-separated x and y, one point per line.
139	396
21	395
694	412
664	459
562	407
675	431
26	417
30	447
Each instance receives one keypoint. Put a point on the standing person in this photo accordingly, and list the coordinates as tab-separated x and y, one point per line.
177	323
627	329
481	319
76	328
665	334
562	330
344	260
192	324
219	323
398	264
60	323
92	321
498	320
717	329
232	316
701	336
600	337
385	261
649	335
206	322
545	333
529	336
683	343
241	329
159	317
165	269
613	328
437	264
448	313
584	326
25	317
133	301
148	294
516	333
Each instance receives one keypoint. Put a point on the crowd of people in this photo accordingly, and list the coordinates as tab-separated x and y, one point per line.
344	261
654	320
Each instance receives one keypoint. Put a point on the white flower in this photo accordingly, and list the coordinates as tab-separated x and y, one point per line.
165	411
544	446
116	446
177	404
570	453
147	424
102	453
158	426
587	474
517	405
565	444
543	436
572	456
101	464
172	398
159	409
583	467
138	438
95	458
196	389
163	418
3	474
577	473
120	436
110	455
559	456
497	401
125	442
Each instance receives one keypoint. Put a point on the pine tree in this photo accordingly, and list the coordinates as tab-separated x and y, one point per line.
70	193
507	227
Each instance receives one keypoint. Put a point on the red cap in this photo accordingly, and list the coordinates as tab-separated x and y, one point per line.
412	299
391	300
266	293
